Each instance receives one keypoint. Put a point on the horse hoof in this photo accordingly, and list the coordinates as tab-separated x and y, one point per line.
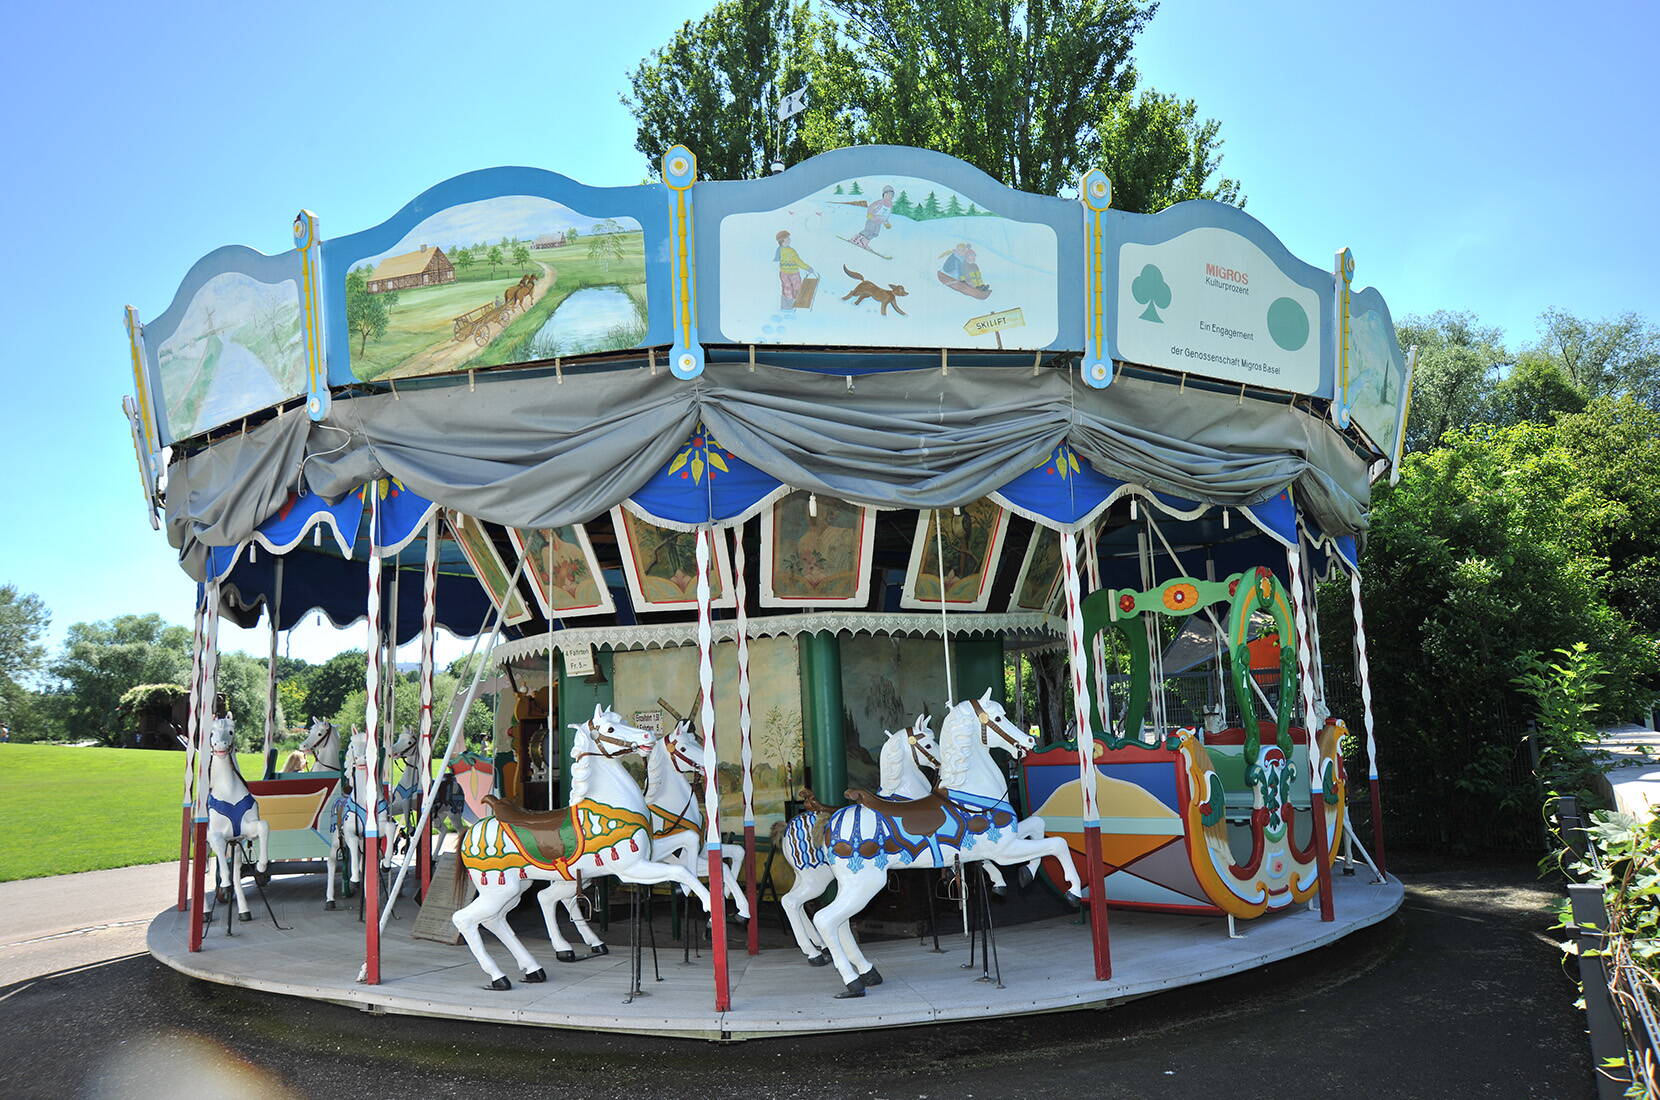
821	959
245	916
329	904
1000	891
1074	899
599	949
855	988
500	983
1024	876
565	956
537	975
871	977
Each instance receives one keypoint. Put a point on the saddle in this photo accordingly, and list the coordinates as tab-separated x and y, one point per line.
919	817
551	832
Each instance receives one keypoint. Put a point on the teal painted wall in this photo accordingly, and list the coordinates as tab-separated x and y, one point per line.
577	698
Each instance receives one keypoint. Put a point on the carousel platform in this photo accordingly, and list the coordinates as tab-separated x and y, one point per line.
1045	968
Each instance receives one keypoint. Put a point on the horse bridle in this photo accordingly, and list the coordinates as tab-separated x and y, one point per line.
623	747
987	722
676	754
918	751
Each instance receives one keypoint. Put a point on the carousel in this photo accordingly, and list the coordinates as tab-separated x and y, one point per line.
959	609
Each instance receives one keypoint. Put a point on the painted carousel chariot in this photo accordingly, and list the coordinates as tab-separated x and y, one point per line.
1063	534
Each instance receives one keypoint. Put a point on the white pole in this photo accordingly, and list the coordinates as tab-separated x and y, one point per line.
273	611
429	632
745	749
711	766
1094	878
1098	653
550	720
945	622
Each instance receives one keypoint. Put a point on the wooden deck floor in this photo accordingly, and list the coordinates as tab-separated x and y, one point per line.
1046	967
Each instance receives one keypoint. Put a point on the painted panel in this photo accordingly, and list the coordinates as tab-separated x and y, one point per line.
972	540
507	265
493	575
1204	288
642	677
564	574
1038	587
660	565
1376	383
230	344
886	682
888	247
818	560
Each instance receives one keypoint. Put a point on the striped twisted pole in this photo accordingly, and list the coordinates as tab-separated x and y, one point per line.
1364	674
369	794
711	765
429	635
746	752
1097	650
204	731
1316	764
1094	872
190	754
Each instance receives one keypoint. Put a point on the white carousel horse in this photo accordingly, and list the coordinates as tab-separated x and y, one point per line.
350	809
969	819
606	830
232	813
904	755
677	833
322	742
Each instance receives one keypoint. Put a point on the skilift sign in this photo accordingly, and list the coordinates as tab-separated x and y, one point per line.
1211	302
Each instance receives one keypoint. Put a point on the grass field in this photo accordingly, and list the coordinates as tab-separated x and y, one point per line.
67	809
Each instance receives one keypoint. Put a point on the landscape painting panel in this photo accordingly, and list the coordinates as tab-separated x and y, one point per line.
817	561
892	260
503	280
1377	375
972	538
235	351
563	571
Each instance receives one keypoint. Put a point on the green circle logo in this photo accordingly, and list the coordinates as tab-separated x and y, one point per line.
1288	324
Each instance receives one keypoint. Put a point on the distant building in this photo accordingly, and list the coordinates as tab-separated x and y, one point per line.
423	267
548	240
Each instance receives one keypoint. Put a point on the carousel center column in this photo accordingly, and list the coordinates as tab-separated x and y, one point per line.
821	683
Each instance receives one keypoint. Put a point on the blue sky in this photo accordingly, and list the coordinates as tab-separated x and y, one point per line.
1499	158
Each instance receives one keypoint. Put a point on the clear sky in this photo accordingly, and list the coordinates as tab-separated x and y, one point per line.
1499	158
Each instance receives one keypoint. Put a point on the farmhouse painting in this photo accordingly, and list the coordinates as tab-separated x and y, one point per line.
236	350
891	260
816	553
512	279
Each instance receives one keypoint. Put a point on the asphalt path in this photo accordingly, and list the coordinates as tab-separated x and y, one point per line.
1461	994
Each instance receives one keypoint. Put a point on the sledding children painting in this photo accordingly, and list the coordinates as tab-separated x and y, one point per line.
925	255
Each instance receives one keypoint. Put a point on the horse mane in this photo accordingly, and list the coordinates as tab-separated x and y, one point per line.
893	760
658	765
955	735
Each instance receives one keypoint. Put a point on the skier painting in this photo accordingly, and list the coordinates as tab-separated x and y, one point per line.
877	218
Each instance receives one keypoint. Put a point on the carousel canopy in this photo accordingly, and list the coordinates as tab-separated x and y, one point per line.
534	353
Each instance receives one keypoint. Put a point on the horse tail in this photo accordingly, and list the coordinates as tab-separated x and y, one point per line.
810	802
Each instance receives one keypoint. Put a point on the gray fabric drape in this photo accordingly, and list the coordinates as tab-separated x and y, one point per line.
531	452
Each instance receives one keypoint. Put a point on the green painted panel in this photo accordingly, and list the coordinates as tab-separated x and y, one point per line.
977	663
577	698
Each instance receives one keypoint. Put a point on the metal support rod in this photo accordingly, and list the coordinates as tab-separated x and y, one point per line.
273	611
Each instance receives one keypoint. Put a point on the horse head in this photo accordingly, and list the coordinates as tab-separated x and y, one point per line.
223	737
925	751
606	734
403	746
684	749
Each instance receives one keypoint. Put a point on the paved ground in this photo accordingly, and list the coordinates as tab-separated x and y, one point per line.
1460	994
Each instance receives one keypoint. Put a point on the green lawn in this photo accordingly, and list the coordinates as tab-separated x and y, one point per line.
67	809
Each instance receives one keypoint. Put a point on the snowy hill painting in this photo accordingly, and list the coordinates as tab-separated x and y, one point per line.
891	261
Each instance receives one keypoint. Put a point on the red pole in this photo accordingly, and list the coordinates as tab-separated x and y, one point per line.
371	894
191	725
1096	881
208	710
751	891
1302	606
1322	855
198	865
717	929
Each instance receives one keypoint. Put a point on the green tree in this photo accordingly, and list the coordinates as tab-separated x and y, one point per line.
463	259
903	207
1608	358
333	680
23	620
856	189
242	680
605	243
1535	389
1459	362
953	209
494	259
367	315
521	256
101	660
1156	151
294	695
930	207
